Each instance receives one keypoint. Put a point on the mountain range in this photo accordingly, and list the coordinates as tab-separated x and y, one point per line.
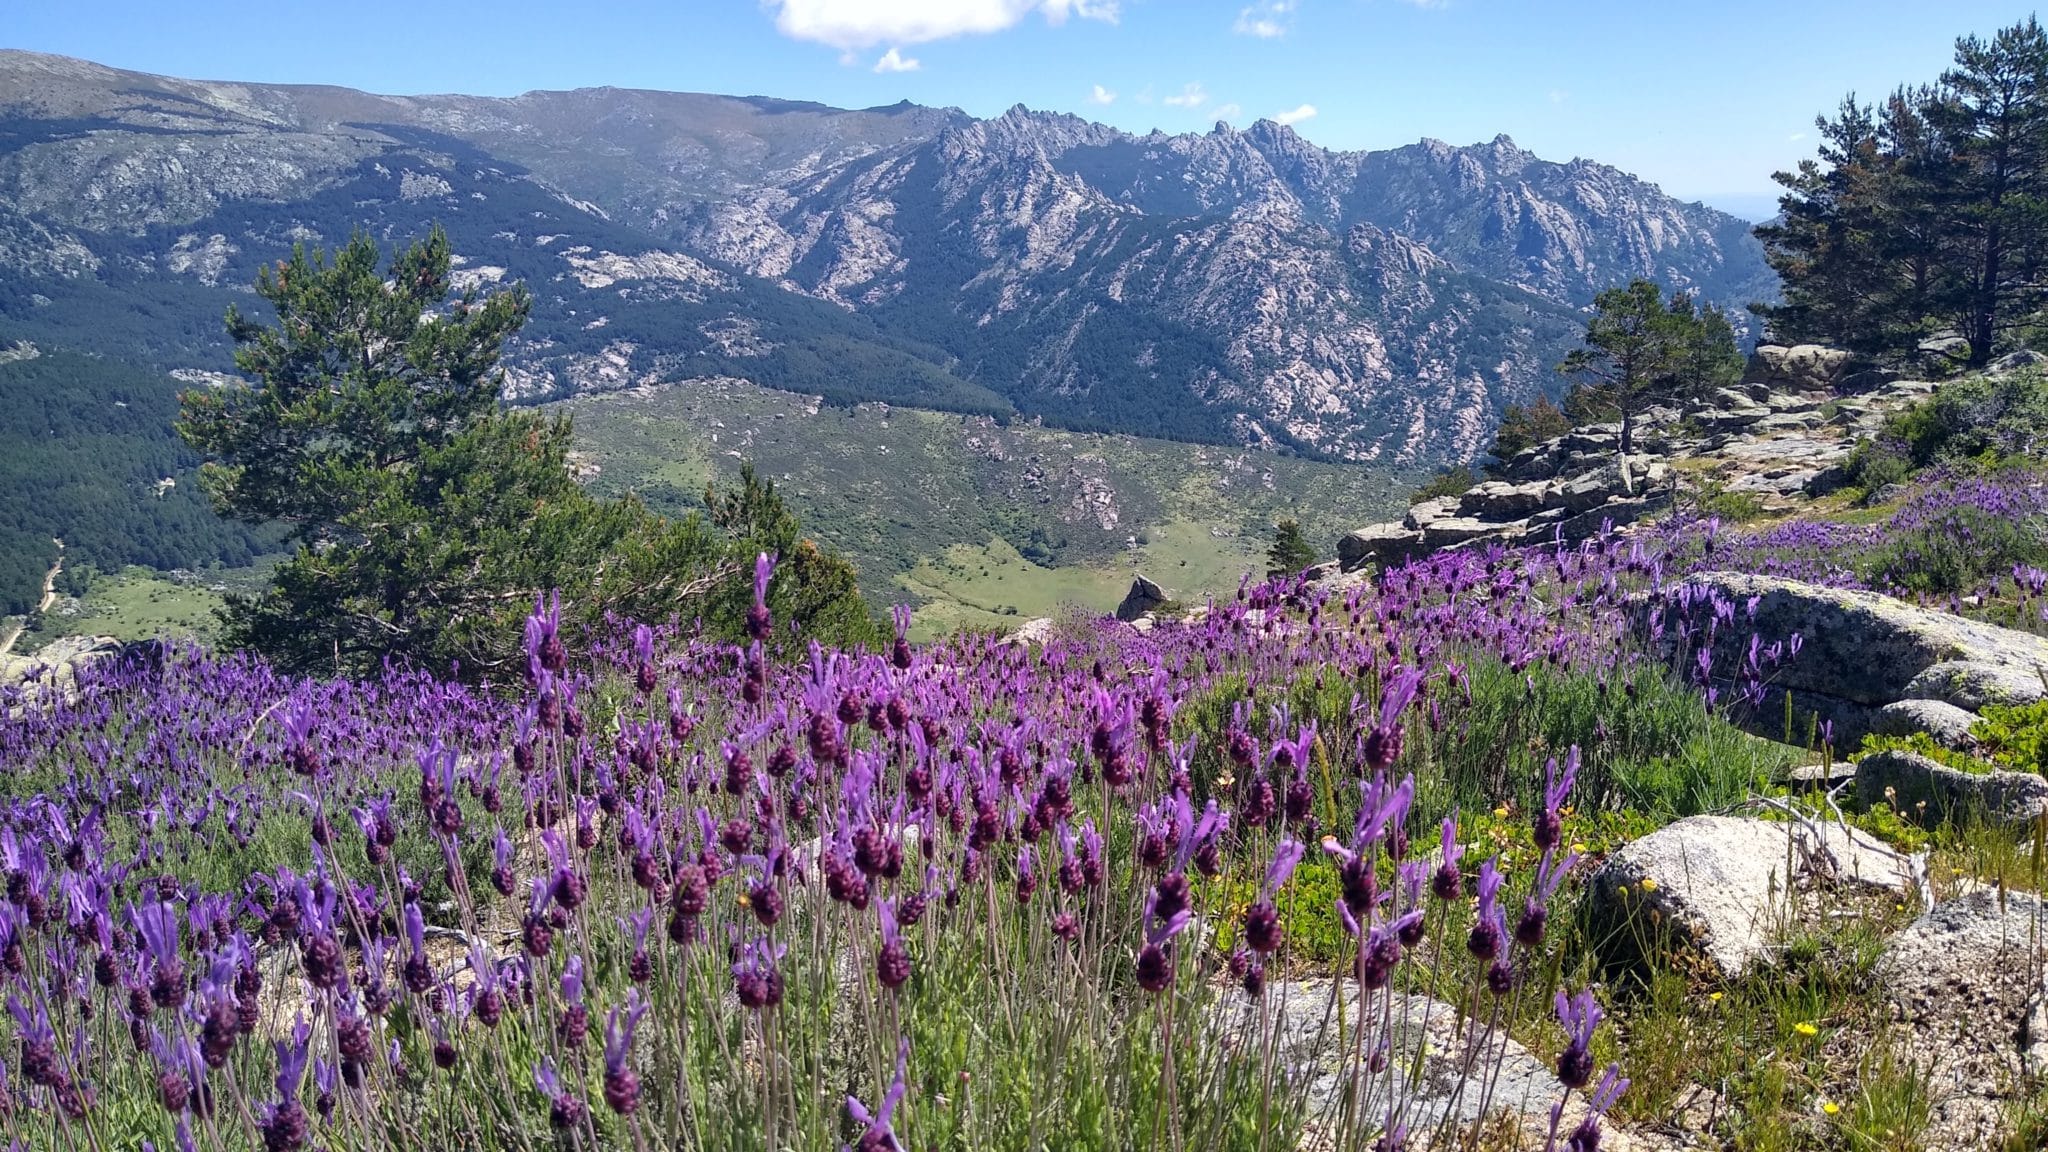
1237	286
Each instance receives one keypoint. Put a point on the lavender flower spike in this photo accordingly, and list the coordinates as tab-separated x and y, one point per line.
877	1131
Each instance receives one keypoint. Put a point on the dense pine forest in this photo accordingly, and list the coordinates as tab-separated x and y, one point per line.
87	456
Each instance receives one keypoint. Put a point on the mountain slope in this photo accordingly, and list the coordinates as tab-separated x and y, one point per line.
1232	286
87	456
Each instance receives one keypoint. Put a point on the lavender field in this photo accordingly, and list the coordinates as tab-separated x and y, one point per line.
1183	889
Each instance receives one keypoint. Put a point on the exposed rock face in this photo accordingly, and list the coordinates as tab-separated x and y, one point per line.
1779	437
1801	366
1235	284
1145	596
1722	885
1386	545
53	669
1965	980
1307	1039
1907	781
1862	650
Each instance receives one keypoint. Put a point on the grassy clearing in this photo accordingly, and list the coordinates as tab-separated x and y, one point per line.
994	586
923	502
140	604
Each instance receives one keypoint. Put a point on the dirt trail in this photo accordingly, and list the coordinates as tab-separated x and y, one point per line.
42	606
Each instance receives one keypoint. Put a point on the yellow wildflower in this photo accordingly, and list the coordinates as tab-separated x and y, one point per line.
1806	1029
1649	885
1830	1107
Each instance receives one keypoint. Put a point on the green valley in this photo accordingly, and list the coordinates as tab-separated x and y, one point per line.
977	522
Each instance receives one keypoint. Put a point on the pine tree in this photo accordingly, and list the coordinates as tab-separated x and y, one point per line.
427	519
1641	351
1524	426
1925	214
1290	552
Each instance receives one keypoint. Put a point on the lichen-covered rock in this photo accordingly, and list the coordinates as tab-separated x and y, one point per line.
1972	684
1498	500
1423	513
1809	366
1907	780
1382	544
1964	979
1722	886
1947	724
1456	530
1424	1032
1865	649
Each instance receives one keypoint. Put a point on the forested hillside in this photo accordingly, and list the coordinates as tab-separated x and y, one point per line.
87	456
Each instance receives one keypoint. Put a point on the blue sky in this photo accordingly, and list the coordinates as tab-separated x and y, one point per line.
1704	99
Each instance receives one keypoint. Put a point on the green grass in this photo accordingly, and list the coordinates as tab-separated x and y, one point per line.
993	586
965	517
140	604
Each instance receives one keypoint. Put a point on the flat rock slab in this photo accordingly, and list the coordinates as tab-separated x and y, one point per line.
1383	544
1303	1016
1723	886
1948	725
1864	649
1963	980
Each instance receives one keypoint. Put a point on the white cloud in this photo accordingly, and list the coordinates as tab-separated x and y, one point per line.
1295	115
1191	96
894	61
1101	95
1229	112
1267	19
850	25
1559	95
1795	138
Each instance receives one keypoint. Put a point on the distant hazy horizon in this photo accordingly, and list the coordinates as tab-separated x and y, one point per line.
1755	209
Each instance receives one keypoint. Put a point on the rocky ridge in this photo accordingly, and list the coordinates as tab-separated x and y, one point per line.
1779	435
1233	286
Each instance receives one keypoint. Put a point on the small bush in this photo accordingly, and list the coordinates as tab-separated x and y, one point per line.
1449	482
1955	549
2003	417
1875	465
2015	737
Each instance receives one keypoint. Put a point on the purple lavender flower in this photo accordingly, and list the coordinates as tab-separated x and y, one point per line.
1262	920
760	625
1155	959
284	1122
1489	929
621	1084
1448	881
1550	873
1383	742
1549	822
157	924
565	1110
1586	1137
574	1023
1578	1015
756	976
877	1131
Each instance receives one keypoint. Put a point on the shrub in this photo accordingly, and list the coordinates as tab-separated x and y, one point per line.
1976	416
2015	736
1449	481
